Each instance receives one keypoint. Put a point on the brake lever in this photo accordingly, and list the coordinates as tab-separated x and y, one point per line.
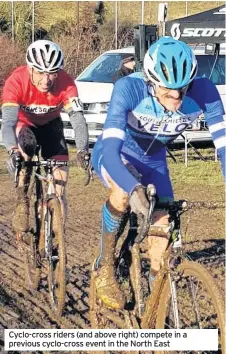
16	177
151	193
17	171
151	209
89	172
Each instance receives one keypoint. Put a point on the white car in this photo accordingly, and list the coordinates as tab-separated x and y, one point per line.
95	86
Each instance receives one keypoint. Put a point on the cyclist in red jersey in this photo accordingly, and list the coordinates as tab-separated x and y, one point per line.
33	97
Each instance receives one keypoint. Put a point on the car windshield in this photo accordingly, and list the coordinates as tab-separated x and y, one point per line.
206	68
102	69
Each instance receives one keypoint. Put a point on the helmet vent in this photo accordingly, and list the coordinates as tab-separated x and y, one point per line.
153	76
52	56
169	43
37	61
43	56
194	72
184	69
164	70
174	69
33	52
163	55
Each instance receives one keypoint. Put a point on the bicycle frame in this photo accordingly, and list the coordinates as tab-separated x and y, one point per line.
173	253
50	193
50	190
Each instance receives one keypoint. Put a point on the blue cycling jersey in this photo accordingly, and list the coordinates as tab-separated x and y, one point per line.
138	127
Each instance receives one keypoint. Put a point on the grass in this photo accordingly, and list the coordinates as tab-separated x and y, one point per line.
199	172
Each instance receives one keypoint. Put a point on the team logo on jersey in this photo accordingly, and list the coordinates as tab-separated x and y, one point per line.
167	125
38	109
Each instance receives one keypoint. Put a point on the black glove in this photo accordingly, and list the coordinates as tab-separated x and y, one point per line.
12	162
138	201
83	158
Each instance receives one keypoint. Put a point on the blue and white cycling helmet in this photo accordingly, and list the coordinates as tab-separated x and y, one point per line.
170	63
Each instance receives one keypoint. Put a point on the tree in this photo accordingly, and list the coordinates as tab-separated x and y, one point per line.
100	12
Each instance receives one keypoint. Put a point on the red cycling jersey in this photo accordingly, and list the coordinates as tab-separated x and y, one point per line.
38	108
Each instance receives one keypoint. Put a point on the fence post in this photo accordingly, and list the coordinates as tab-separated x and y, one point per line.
12	20
142	12
33	21
116	24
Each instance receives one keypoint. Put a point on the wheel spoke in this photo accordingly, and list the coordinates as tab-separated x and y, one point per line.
194	294
198	299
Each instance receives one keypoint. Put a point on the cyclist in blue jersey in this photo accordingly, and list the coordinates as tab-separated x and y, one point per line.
147	111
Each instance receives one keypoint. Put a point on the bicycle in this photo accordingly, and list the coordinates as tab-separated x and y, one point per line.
43	244
181	291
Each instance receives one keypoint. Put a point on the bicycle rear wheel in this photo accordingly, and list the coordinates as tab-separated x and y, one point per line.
31	238
199	302
56	256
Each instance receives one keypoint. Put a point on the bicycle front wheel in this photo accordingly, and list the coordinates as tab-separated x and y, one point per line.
198	302
31	238
56	256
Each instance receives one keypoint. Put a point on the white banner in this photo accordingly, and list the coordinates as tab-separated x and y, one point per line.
93	339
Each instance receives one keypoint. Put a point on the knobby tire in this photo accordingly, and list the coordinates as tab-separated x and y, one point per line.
200	274
57	269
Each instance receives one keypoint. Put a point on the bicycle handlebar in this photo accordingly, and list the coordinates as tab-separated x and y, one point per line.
184	205
51	163
45	163
175	205
172	207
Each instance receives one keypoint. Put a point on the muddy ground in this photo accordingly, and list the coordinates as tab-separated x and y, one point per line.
19	308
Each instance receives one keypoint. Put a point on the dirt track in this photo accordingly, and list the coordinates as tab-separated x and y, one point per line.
19	308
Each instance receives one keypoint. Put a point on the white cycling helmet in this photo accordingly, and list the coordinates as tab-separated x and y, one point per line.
45	56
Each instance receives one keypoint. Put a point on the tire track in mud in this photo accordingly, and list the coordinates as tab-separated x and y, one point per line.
19	306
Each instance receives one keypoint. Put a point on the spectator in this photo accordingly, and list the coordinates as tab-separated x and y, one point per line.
127	66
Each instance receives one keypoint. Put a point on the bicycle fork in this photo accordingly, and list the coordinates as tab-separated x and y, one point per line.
50	193
47	230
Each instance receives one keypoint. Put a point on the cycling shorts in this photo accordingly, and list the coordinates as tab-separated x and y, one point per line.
49	137
154	171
